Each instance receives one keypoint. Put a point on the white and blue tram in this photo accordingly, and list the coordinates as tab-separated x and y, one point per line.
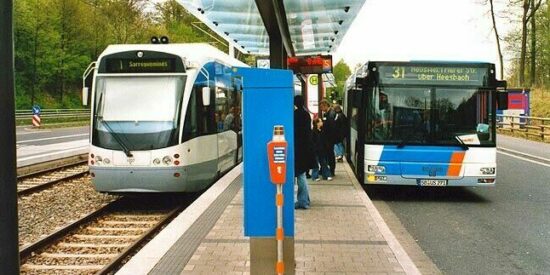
164	118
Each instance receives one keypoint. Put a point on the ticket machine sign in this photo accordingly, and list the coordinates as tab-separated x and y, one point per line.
276	153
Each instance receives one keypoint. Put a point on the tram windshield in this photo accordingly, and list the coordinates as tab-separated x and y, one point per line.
139	113
430	115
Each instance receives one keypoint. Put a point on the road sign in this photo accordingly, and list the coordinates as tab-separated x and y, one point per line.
36	110
36	116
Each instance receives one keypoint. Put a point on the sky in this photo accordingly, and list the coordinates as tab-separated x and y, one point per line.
402	30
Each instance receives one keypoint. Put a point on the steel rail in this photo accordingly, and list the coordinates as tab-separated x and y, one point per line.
52	169
27	251
110	267
48	184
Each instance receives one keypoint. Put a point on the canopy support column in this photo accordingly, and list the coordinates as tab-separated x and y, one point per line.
9	244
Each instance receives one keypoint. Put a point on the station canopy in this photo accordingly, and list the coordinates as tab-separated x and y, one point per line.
314	26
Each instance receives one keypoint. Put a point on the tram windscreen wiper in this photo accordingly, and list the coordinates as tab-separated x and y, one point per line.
117	138
462	144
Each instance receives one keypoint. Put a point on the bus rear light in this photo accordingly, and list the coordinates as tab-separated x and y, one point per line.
106	161
92	162
176	162
156	161
92	156
176	156
491	180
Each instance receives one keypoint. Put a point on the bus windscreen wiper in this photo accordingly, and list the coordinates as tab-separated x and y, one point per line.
462	144
117	138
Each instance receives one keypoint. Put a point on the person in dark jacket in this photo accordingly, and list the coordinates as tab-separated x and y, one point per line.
303	155
320	147
329	124
342	129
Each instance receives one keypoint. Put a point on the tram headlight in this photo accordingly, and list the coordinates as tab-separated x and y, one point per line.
376	169
167	160
156	161
487	170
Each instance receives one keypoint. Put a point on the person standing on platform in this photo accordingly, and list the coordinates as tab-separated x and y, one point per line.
320	148
303	154
342	130
329	126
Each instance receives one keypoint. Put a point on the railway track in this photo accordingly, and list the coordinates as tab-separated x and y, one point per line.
37	181
98	242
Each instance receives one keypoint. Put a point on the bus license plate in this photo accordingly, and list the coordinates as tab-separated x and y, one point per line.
433	182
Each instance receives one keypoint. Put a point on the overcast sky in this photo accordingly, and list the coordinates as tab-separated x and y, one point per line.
421	30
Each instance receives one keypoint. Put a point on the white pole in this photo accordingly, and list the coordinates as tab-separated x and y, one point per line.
280	234
231	51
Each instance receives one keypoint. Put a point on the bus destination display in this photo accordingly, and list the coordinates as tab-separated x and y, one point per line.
122	65
316	64
432	75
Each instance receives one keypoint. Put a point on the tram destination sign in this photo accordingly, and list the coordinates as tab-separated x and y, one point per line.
125	65
315	64
432	75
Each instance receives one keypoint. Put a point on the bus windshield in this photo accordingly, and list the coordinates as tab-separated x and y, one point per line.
137	113
430	116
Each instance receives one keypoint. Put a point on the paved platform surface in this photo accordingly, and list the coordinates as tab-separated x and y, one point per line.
342	233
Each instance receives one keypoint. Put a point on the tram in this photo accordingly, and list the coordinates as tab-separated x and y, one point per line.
164	117
424	123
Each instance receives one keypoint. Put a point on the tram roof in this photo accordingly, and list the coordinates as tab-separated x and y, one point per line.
311	26
192	52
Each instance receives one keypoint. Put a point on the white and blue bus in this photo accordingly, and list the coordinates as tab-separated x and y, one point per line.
165	117
424	123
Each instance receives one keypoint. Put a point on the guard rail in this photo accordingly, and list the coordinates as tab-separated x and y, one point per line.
53	114
531	126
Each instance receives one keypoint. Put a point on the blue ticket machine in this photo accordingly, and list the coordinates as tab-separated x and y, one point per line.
267	103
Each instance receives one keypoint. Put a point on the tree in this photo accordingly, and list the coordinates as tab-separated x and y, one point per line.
341	73
497	38
529	10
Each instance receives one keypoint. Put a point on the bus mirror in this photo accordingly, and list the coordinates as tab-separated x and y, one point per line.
502	100
205	96
85	96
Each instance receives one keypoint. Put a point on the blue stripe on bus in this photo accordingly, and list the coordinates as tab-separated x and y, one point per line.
417	161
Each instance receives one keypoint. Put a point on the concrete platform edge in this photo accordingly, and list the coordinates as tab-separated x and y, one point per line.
400	254
25	161
146	259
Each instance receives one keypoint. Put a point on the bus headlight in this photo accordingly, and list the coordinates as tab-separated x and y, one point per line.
156	161
376	169
487	170
167	160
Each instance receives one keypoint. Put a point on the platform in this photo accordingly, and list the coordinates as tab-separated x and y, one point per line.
342	232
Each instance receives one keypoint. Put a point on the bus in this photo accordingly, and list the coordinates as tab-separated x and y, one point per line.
424	123
164	117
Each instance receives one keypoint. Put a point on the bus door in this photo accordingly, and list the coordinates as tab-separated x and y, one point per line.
357	132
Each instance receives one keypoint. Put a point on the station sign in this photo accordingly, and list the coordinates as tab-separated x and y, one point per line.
432	75
315	64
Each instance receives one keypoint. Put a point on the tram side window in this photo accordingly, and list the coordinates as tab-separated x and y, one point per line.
228	111
199	119
222	109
